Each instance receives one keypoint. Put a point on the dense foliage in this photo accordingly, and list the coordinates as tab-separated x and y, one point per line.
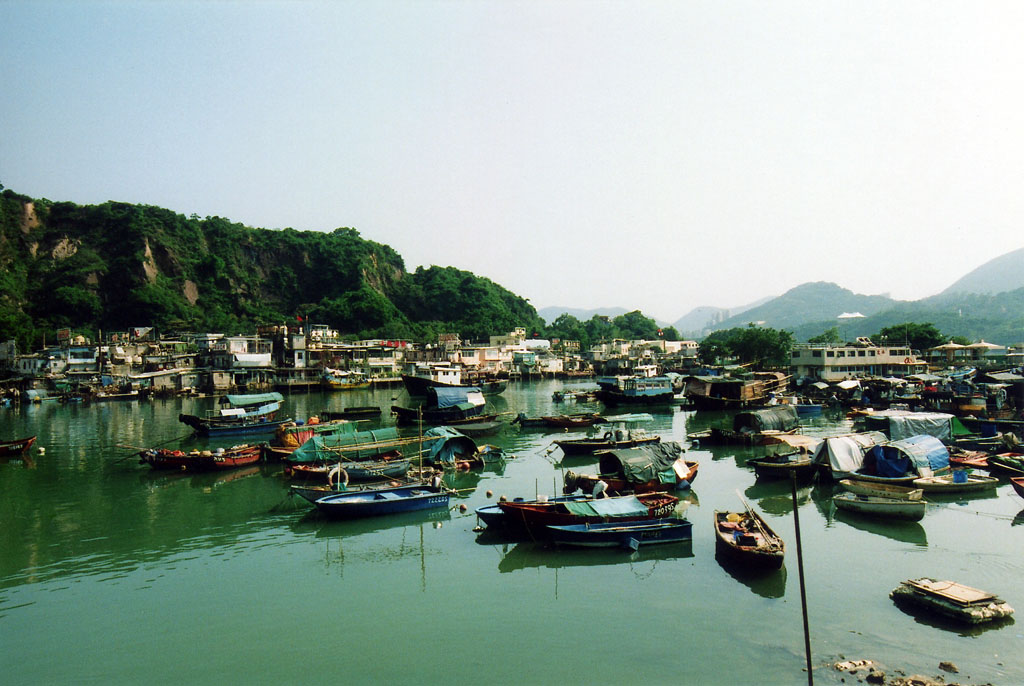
629	326
758	346
116	265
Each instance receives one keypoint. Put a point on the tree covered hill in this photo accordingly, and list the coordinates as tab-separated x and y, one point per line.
116	265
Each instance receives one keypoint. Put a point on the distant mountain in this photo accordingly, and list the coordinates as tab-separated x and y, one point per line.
810	302
1004	273
699	320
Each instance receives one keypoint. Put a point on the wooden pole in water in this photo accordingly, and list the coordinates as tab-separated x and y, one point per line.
419	416
803	592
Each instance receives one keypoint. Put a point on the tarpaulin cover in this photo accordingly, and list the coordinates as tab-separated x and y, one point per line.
448	445
448	396
643	464
778	418
319	448
623	506
845	454
254	399
786	443
924	453
937	424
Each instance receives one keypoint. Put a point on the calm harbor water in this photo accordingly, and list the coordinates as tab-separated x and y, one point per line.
111	573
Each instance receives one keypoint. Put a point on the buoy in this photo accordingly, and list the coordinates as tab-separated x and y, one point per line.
490	493
462	507
42	450
502	498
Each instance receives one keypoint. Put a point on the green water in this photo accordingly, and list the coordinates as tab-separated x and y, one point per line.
111	573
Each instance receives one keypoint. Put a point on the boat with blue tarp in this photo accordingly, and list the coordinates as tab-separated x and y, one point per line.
446	405
241	414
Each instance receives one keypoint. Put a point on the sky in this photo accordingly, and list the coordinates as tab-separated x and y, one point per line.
649	155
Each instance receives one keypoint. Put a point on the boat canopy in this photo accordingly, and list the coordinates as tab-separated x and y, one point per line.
778	418
448	396
642	464
924	454
447	445
253	399
900	424
785	443
346	446
623	506
635	417
845	454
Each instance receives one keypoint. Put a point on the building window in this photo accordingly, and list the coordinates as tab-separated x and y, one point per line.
815	353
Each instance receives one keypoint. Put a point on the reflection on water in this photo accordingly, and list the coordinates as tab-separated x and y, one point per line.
898	530
767	583
526	555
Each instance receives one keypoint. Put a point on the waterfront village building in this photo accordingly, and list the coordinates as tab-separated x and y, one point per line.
850	361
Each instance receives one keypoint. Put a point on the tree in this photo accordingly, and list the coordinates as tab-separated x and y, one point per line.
917	336
759	346
635	326
829	337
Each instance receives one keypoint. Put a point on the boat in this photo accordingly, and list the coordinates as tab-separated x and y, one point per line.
636	390
745	537
611	440
418	385
448	405
880	490
201	460
1011	464
645	469
15	448
343	380
364	470
953	600
382	501
244	414
290	436
766	426
493	516
535	516
480	428
562	421
1017	482
733	393
628	535
314	492
892	508
350	413
902	461
785	466
975	459
957	482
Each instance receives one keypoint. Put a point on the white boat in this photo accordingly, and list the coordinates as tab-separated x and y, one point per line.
880	490
948	484
891	508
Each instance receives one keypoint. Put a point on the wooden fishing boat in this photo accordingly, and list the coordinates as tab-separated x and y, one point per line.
355	412
315	492
368	470
16	448
947	483
1017	482
975	459
201	460
383	501
880	490
494	516
746	538
480	428
611	440
953	600
628	535
891	508
617	484
535	516
784	466
244	414
1007	463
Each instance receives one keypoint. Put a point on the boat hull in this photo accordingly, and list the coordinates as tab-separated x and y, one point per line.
753	544
206	461
384	501
585	446
888	508
628	535
18	447
205	427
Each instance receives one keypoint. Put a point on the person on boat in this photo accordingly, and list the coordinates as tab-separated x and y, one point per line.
436	481
600	489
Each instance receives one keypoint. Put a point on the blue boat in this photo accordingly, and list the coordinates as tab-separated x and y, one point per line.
370	503
243	414
629	535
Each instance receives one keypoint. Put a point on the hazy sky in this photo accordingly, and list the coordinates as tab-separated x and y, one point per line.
652	155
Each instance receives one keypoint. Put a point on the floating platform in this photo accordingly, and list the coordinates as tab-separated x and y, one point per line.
953	600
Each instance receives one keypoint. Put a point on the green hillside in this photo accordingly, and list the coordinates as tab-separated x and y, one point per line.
116	265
